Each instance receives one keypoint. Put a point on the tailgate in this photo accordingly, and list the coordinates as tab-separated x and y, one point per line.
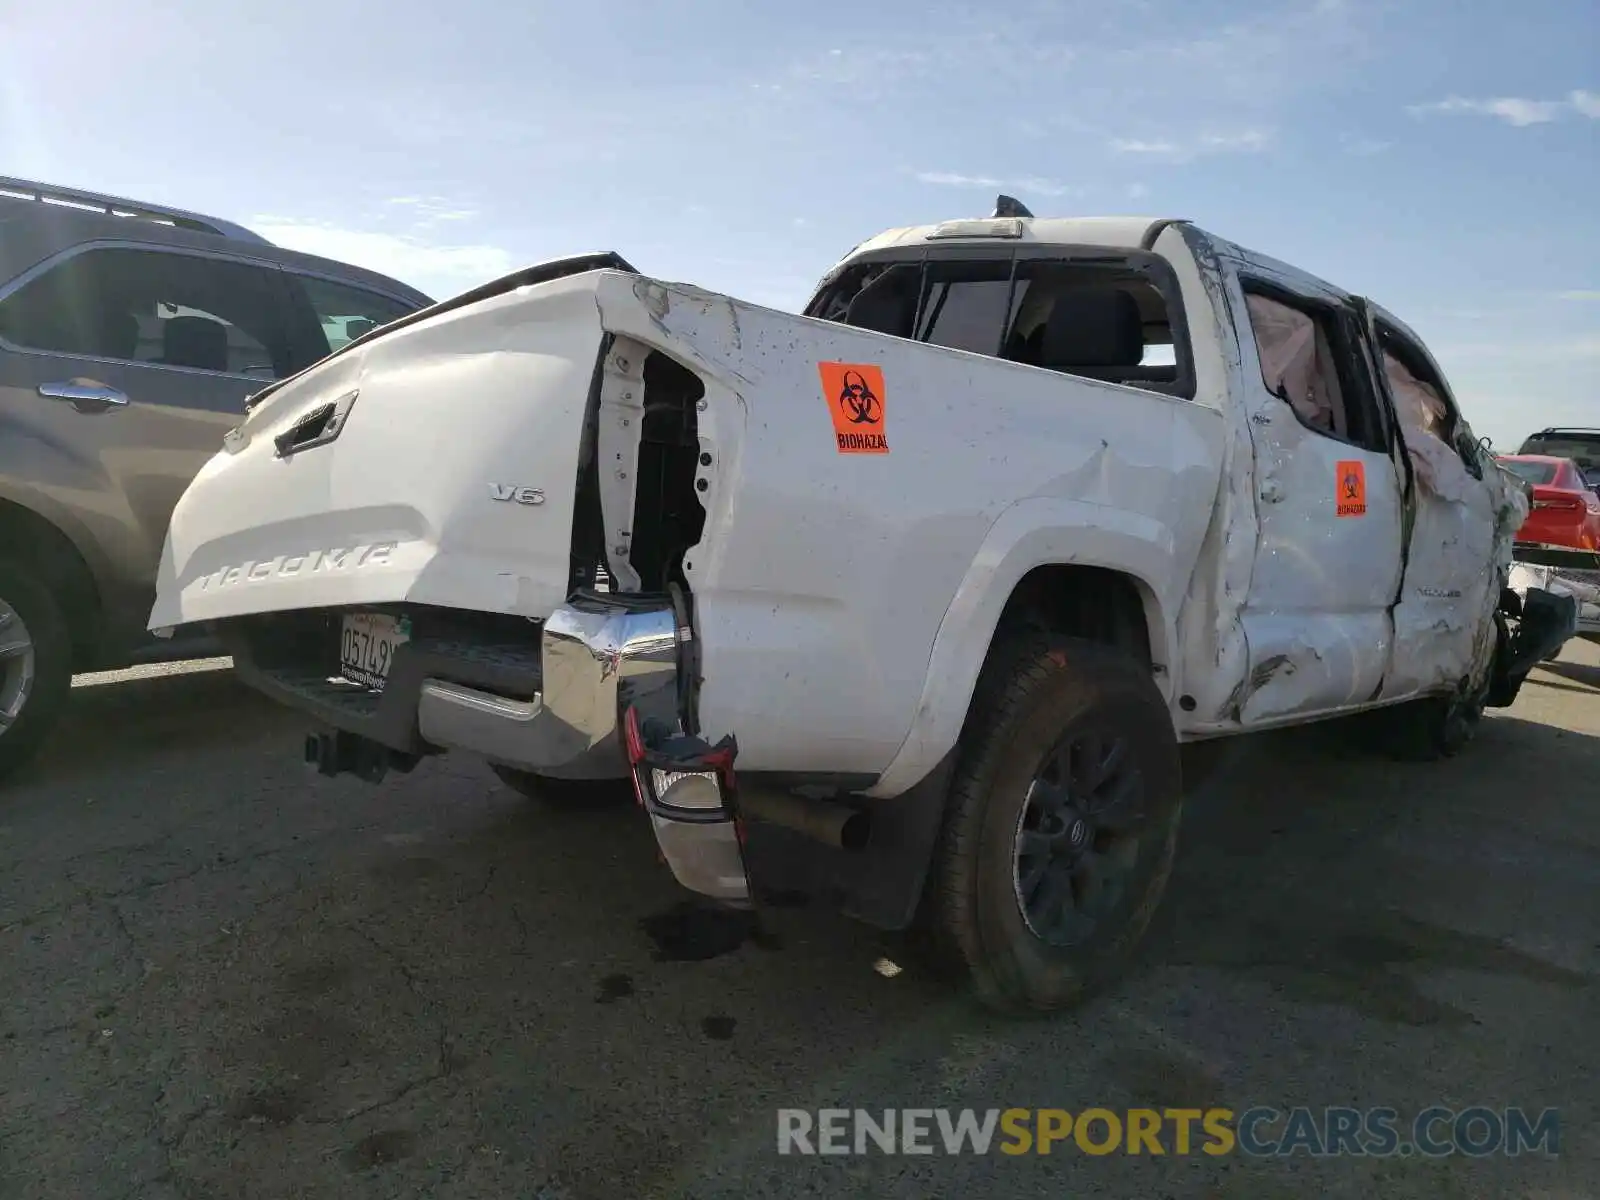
436	463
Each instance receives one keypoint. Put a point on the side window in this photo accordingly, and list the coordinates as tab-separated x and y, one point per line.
1110	321
1422	402
153	306
343	312
1311	359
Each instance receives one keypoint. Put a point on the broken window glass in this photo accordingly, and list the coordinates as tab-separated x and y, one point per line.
1297	362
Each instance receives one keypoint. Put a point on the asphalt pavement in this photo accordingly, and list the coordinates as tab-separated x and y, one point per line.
222	977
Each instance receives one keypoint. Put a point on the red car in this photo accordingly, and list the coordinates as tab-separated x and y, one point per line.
1566	509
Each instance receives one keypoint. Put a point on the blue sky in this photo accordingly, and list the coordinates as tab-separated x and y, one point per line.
1441	156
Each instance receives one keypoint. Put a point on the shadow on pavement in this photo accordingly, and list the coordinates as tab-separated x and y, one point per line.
122	722
1582	673
1282	873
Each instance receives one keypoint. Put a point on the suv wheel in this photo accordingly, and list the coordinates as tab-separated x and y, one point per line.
35	666
1063	823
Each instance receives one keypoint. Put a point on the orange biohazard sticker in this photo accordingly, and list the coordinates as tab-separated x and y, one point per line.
1350	488
854	394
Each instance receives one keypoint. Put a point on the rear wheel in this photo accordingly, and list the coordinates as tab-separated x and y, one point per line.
35	666
564	793
1062	825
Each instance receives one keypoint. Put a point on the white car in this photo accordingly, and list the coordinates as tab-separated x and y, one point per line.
940	573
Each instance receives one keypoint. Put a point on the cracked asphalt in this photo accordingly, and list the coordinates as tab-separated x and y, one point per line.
220	977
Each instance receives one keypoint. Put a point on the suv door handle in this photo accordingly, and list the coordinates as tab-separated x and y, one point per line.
85	397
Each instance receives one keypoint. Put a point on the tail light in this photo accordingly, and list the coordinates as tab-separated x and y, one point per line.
680	772
688	788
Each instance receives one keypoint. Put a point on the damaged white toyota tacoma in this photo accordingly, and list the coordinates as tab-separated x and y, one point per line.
908	601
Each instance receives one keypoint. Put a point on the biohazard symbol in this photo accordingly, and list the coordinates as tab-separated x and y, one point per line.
1350	495
857	404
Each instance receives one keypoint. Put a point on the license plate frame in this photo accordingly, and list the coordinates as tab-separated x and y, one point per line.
367	645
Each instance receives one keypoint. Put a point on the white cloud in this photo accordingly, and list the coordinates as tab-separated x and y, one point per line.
1134	146
1585	103
1515	110
436	268
951	179
429	209
1580	294
1029	184
1246	141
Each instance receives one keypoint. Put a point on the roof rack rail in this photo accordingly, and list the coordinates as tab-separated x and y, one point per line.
120	207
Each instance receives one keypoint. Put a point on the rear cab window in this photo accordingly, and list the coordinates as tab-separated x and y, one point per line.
1114	317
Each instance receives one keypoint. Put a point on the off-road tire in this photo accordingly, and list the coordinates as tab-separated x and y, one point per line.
1033	691
52	666
565	793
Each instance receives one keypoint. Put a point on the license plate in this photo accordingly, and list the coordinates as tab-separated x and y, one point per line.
367	645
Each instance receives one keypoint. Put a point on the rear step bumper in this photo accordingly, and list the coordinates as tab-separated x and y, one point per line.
551	709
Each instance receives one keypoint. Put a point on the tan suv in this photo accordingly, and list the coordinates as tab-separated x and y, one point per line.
130	337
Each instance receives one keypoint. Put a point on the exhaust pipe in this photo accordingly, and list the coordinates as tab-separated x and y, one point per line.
827	821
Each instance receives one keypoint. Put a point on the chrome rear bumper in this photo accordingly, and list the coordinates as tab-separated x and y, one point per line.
594	656
550	707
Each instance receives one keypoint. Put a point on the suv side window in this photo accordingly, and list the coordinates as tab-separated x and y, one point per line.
344	312
1311	358
153	306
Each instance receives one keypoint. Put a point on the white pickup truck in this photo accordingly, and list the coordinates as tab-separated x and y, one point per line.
913	597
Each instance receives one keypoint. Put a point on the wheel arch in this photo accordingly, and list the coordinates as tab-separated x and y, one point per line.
1106	575
33	541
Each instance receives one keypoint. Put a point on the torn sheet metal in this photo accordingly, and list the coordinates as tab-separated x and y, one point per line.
1213	651
1424	416
1459	556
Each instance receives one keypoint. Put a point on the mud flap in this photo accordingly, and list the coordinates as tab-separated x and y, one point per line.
688	788
1544	622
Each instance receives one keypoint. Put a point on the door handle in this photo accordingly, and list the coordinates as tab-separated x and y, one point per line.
85	397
